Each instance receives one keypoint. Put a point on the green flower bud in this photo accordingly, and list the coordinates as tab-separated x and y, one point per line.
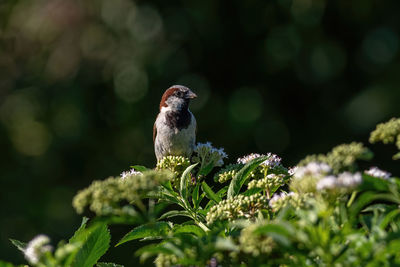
105	197
239	206
175	164
387	133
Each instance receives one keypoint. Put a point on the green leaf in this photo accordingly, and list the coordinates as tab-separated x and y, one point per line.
192	229
7	264
210	193
95	246
185	178
389	218
195	196
252	191
151	250
174	213
108	264
80	234
367	198
280	233
373	183
20	245
205	170
139	168
226	244
156	229
239	179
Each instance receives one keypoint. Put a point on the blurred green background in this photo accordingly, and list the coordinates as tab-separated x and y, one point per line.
80	83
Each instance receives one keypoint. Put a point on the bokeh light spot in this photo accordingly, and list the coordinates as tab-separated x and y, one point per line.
30	137
367	109
381	45
145	23
327	61
245	105
130	83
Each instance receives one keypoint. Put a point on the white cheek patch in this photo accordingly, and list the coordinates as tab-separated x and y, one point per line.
165	109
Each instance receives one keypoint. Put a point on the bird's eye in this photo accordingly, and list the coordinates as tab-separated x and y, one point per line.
179	93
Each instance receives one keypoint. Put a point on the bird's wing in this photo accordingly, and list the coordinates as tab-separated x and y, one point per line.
154	132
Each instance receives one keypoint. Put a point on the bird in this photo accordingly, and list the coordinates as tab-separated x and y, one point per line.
174	131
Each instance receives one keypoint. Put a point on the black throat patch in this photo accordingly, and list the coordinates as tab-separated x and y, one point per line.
178	119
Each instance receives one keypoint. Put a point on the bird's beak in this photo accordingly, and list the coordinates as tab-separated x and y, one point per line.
190	95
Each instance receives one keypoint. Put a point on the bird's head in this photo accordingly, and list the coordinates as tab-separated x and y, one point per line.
176	97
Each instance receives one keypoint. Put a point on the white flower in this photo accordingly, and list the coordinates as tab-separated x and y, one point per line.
378	173
36	248
345	180
328	182
313	169
208	154
292	170
125	174
272	161
348	179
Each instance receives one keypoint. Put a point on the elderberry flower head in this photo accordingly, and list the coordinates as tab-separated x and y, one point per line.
253	243
270	181
239	206
227	173
387	132
272	161
280	200
378	173
106	197
36	248
207	154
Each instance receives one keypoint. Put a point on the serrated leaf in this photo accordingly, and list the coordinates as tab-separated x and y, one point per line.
20	245
183	189
139	168
156	229
174	213
108	264
80	234
95	245
239	179
193	229
210	193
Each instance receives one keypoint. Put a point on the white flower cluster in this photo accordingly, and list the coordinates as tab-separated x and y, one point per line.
345	180
36	248
129	173
208	154
272	161
378	173
315	169
279	197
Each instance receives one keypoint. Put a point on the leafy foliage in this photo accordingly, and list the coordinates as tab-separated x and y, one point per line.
335	215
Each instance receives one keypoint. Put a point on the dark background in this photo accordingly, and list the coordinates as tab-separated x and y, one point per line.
80	83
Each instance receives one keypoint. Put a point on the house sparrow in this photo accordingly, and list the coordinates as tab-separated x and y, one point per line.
174	132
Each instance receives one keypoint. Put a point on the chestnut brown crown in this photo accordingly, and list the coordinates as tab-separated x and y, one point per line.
178	91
